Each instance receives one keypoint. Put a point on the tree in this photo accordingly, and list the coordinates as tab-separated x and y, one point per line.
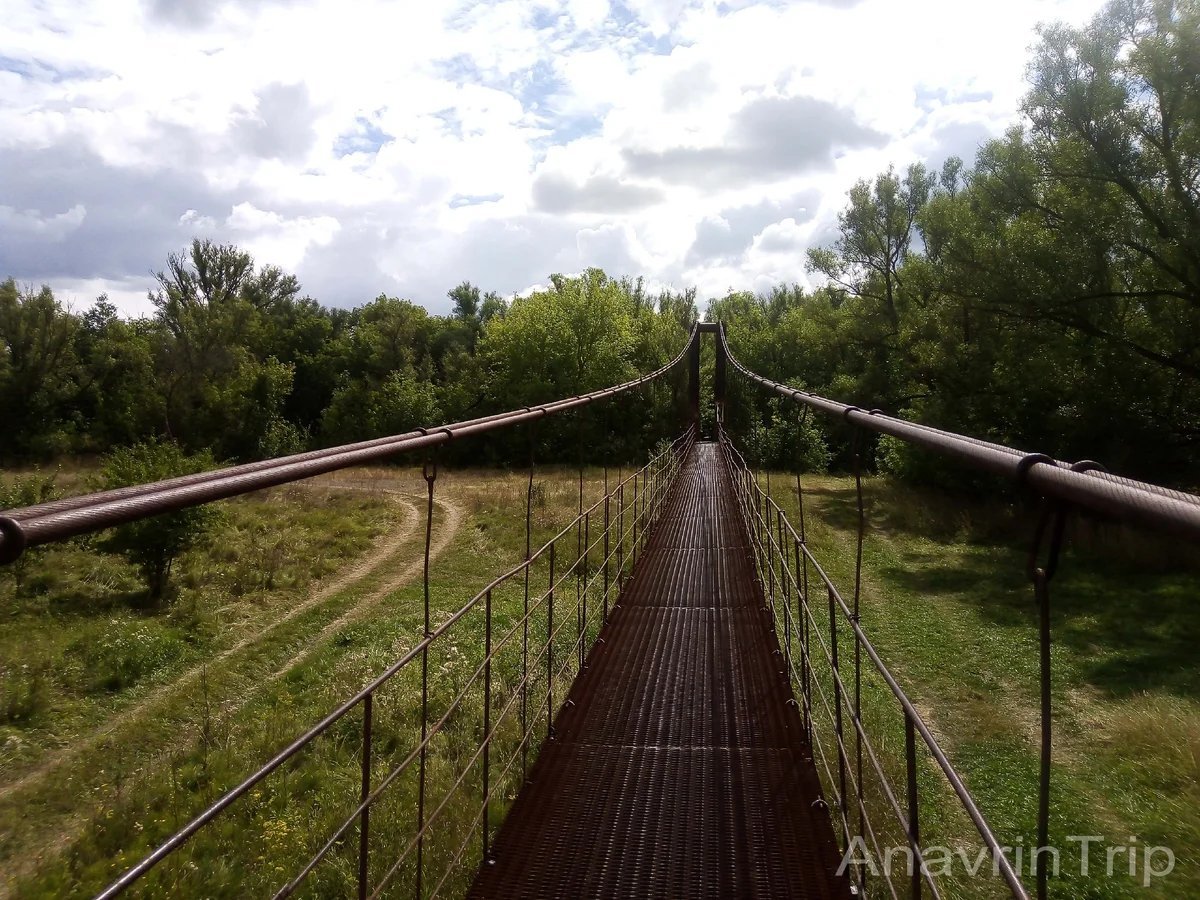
876	235
214	311
575	337
154	544
361	410
468	310
118	396
38	371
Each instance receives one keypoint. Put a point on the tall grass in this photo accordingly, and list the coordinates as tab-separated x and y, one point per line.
947	602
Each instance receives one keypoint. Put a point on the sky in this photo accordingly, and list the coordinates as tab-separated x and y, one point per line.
403	147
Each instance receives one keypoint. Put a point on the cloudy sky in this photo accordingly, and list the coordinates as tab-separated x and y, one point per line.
404	146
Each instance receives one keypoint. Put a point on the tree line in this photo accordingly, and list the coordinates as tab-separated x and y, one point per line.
1046	296
236	361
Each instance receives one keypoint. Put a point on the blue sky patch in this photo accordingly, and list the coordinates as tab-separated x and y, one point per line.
367	137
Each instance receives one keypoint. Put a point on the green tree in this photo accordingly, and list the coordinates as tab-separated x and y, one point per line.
38	372
398	404
575	337
154	544
876	235
118	397
214	311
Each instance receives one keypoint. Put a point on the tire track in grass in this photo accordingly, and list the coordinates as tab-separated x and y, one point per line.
453	521
445	531
346	579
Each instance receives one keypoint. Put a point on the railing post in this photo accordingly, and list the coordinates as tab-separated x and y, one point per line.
785	589
634	512
837	714
364	827
550	651
587	527
694	378
525	617
769	556
580	574
858	557
620	536
645	498
487	723
607	525
781	552
914	820
719	373
802	566
805	687
430	475
1042	591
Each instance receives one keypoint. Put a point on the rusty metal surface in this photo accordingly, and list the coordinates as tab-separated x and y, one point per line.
679	766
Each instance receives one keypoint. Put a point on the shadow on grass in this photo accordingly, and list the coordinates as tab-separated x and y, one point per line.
1124	606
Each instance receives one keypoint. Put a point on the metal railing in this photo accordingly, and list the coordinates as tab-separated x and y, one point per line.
58	520
786	566
812	640
534	626
1084	484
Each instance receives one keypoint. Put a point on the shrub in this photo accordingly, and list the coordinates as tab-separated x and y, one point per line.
23	693
126	652
153	544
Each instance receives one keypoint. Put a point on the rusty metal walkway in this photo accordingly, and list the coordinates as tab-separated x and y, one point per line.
678	767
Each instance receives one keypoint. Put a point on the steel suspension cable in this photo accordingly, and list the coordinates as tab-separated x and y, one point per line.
1169	510
45	523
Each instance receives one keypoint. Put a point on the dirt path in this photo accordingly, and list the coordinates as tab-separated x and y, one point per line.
444	532
446	527
383	551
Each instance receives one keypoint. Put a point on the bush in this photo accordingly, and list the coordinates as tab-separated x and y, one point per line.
918	466
27	490
126	652
23	693
153	544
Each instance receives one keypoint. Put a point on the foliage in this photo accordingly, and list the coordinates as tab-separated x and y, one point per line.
1045	296
122	655
236	362
154	544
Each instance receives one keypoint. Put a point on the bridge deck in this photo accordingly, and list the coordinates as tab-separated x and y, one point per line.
679	769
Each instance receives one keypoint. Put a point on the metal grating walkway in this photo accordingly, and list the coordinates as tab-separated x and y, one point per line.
680	768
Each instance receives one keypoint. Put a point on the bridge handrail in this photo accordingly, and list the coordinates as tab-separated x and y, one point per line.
1083	484
1004	867
677	448
57	520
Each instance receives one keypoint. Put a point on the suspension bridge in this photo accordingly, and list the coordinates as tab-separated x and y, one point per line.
664	699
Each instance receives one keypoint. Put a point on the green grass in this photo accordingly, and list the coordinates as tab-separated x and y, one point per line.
945	599
152	774
947	603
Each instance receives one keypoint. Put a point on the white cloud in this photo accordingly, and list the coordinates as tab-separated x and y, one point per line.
781	237
273	238
52	227
402	147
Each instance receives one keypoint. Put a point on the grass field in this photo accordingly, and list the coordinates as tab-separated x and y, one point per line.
119	723
129	722
947	602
